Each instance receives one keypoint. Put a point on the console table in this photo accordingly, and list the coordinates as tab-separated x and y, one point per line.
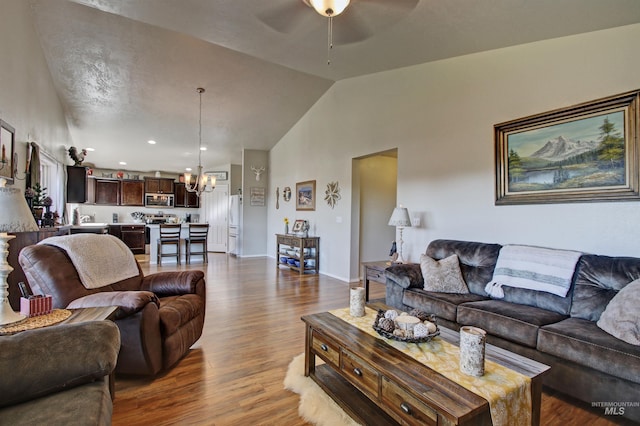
294	247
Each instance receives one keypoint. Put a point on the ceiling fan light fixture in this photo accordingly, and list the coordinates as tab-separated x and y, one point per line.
329	8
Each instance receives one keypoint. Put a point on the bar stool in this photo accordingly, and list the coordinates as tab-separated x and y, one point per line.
169	236
197	236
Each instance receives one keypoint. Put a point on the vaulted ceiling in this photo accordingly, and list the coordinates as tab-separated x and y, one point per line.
126	71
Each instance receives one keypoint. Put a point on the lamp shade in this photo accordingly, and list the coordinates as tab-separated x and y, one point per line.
400	217
15	215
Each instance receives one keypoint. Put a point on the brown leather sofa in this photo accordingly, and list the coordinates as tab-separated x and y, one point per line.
160	315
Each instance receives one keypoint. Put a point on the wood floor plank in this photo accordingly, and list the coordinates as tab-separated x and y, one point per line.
233	375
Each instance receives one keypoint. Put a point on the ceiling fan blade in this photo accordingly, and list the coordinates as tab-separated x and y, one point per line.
396	4
285	18
350	27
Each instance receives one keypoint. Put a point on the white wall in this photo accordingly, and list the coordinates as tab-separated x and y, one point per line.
440	116
28	100
254	218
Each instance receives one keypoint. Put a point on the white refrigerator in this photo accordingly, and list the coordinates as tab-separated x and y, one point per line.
235	221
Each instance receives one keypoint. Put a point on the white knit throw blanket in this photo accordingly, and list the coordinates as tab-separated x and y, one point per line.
99	259
533	268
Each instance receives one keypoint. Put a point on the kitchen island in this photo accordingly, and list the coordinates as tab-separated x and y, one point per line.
154	234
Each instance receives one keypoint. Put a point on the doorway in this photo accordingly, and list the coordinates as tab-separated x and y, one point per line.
375	180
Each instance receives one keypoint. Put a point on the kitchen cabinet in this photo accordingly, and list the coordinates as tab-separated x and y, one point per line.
185	198
132	235
104	191
158	185
76	184
131	192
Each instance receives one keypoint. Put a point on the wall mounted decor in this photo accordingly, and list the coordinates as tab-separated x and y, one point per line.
587	152
306	195
7	147
258	172
332	194
277	197
286	193
219	175
256	196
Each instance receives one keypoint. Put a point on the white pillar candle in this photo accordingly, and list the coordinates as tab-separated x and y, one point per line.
472	342
356	305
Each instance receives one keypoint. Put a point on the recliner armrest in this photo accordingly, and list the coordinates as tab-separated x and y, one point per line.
39	362
128	302
406	275
174	283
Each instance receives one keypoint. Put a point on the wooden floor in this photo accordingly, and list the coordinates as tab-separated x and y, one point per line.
233	375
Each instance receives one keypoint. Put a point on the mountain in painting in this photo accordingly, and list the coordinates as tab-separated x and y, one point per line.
562	148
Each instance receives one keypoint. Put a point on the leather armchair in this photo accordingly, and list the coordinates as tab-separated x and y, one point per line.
160	316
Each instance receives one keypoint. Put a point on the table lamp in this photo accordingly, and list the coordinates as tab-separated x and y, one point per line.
15	216
400	219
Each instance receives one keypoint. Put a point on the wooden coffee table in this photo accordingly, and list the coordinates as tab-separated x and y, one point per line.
377	384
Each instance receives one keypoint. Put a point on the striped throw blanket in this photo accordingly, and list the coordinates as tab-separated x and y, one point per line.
533	268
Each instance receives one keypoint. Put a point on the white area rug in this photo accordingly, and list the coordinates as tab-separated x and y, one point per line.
315	406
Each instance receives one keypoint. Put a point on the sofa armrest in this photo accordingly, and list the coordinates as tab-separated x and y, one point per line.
406	275
39	362
174	283
128	302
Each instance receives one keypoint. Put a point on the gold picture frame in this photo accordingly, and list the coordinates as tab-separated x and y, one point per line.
306	195
583	153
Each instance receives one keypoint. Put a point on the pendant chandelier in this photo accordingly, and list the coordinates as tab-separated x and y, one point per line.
203	182
329	8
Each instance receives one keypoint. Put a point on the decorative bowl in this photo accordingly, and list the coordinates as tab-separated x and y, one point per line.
283	259
390	335
291	261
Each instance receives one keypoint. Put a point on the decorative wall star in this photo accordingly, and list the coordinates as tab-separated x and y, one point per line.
332	194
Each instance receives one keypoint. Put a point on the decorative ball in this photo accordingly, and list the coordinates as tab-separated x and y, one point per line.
420	314
420	330
399	332
391	314
402	314
430	326
386	324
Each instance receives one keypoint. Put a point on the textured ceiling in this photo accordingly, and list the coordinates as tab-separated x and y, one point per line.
127	70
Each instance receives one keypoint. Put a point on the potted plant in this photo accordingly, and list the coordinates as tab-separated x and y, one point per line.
37	201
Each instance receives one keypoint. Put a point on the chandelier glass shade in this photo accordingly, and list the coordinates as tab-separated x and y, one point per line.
204	182
329	8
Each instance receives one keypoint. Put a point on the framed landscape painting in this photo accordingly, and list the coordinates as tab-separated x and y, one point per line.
306	195
587	152
7	157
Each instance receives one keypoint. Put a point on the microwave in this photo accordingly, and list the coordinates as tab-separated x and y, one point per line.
159	200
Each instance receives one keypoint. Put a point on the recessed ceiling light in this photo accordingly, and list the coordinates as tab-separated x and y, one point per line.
123	163
188	169
151	142
203	148
90	149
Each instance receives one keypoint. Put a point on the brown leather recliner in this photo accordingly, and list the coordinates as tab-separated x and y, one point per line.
160	316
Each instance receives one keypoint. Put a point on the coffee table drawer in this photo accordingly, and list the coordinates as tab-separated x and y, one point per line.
325	350
411	410
361	374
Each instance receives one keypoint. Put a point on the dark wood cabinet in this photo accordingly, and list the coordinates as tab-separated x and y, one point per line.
184	198
76	184
132	235
107	191
132	193
158	185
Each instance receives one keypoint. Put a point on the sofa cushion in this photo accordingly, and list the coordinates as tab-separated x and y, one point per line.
598	279
477	260
582	342
443	275
443	305
621	317
176	311
510	321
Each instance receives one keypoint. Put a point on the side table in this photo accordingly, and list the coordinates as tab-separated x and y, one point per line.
374	271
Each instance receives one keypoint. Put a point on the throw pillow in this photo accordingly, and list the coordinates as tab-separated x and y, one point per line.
621	317
443	275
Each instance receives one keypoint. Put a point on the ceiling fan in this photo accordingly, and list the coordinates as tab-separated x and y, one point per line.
356	20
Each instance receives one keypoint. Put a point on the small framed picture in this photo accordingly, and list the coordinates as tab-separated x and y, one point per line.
219	175
306	195
257	196
298	225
